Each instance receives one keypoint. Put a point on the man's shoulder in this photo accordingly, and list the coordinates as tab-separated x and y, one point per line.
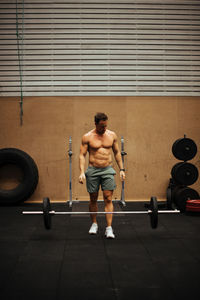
111	133
87	135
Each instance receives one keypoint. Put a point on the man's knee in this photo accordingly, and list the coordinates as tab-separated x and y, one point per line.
107	196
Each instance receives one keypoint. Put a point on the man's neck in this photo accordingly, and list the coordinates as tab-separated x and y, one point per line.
99	133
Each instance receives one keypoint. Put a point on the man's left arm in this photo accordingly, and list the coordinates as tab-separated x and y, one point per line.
118	157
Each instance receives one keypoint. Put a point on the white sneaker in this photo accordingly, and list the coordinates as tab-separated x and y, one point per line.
93	228
109	233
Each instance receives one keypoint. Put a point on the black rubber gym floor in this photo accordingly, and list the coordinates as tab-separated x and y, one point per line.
68	263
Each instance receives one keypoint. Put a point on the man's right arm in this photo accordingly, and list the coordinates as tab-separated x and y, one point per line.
83	152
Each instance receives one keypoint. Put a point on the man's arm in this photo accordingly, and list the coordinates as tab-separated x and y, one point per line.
118	157
83	152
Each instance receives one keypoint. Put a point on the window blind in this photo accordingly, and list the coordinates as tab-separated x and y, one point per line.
104	47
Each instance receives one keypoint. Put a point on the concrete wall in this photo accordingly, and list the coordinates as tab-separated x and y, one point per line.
149	125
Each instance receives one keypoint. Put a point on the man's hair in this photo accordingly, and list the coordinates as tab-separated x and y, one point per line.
100	117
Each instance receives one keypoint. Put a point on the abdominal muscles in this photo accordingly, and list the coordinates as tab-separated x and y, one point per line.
100	158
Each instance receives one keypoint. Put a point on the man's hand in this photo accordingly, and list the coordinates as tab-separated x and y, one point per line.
81	178
122	175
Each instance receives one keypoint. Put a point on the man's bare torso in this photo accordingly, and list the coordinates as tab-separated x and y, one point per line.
100	148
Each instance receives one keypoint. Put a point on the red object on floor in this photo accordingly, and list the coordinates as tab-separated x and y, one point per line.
193	205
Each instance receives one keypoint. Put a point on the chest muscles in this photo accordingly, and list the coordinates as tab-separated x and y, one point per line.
98	142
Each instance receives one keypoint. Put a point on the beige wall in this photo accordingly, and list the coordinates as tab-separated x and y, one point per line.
149	125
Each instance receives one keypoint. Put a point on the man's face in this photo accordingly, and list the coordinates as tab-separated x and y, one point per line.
101	127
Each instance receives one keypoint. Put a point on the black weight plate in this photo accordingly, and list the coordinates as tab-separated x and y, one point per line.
154	212
169	198
46	215
182	194
174	170
174	191
185	173
184	149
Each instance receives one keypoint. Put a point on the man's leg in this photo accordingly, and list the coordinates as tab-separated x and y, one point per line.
93	206
107	195
108	208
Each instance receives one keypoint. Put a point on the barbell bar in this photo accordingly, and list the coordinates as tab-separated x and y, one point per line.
53	212
48	213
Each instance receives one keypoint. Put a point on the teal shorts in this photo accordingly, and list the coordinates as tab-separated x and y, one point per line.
96	177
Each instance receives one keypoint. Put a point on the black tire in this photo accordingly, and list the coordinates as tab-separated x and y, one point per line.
30	176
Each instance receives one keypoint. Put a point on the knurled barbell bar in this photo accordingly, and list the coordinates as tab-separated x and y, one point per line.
48	213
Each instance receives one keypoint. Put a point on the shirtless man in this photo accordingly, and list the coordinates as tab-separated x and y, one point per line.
99	142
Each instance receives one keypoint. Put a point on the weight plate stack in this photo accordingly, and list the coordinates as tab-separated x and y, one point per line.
193	205
183	174
182	194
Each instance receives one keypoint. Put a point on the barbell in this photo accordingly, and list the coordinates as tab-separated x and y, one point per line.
47	213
